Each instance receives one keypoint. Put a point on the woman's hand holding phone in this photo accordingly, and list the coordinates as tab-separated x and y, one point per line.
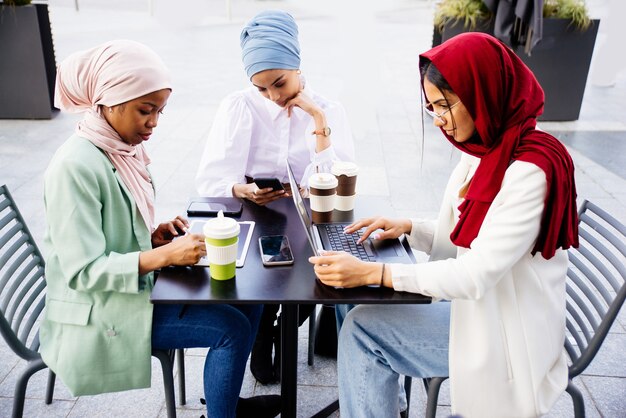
268	182
259	196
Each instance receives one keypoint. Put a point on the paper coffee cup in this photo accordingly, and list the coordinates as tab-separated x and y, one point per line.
322	190
346	173
221	236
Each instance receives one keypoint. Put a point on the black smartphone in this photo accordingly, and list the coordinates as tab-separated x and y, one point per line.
275	250
204	208
265	182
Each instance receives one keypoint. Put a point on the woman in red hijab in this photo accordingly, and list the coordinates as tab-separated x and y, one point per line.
496	252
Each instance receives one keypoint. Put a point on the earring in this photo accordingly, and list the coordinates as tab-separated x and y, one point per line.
110	110
302	79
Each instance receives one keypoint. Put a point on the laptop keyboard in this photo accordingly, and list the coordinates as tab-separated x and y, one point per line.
339	241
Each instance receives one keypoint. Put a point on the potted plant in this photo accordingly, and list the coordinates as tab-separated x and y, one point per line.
560	60
28	66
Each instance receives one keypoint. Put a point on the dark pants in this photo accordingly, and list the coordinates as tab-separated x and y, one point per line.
271	310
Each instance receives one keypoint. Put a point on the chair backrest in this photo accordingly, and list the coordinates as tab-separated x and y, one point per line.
595	284
22	282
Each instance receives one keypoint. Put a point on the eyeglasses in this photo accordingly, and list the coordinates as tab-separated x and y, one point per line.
439	116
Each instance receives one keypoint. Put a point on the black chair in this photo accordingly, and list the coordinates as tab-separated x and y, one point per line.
596	289
432	386
22	300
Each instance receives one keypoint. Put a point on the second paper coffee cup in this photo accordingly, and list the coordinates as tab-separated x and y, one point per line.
346	173
322	187
221	236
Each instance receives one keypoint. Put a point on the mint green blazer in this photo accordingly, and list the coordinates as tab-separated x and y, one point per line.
96	330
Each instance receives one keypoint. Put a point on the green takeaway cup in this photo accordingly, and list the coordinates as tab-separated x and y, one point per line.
221	236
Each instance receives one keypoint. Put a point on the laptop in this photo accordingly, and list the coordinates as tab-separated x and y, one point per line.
330	236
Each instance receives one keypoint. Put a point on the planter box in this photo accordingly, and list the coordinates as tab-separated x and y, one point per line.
560	61
27	67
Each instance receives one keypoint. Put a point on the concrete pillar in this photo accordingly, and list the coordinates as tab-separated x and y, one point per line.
609	60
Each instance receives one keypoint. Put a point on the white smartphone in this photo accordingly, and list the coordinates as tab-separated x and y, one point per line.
275	250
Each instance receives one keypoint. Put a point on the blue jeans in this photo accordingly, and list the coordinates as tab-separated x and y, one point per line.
229	331
378	343
340	313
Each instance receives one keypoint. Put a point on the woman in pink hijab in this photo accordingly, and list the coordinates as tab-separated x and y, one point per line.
103	246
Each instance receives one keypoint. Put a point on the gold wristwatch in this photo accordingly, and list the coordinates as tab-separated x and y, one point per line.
324	131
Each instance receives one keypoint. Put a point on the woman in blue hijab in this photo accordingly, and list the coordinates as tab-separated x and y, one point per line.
255	132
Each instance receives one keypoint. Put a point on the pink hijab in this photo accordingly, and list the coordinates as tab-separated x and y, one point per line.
111	74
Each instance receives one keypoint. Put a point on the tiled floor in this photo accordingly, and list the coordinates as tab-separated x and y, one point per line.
361	53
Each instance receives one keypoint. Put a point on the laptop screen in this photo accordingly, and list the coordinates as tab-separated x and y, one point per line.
301	208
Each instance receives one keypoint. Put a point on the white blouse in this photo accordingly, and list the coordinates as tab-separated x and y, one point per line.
252	136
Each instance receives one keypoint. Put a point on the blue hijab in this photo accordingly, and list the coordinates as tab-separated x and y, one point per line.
270	41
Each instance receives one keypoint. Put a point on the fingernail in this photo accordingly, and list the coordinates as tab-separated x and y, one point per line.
376	236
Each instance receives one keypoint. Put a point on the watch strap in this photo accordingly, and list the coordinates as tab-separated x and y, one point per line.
324	131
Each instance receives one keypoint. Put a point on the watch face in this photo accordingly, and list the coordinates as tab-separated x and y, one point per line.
324	131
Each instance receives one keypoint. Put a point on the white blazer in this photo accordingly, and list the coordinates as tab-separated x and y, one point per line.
507	325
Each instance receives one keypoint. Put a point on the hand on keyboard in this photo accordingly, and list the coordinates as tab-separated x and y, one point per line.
340	269
348	242
390	228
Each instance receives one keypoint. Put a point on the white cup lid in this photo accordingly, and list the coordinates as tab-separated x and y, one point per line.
323	181
221	227
344	167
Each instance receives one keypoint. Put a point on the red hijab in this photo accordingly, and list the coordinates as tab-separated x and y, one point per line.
504	99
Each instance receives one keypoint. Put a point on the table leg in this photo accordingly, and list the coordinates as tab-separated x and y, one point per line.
289	360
